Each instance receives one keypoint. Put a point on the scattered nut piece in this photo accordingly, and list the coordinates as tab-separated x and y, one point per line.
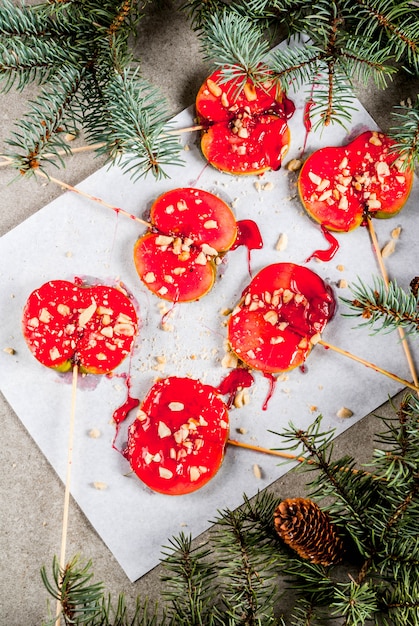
396	232
257	471
94	433
101	486
241	398
268	186
294	165
344	412
342	283
9	350
70	137
388	249
340	268
282	242
241	430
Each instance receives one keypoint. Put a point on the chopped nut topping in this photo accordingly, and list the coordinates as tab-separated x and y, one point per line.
213	88
241	398
176	406
294	165
210	224
63	309
107	331
163	430
44	316
127	330
163	240
87	314
165	473
388	249
344	412
314	178
271	317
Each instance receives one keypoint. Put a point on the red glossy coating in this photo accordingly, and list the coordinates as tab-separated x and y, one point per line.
176	444
193	226
338	184
245	130
65	323
282	309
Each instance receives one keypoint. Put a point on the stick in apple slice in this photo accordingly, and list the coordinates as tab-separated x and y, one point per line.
68	187
64	530
376	368
383	270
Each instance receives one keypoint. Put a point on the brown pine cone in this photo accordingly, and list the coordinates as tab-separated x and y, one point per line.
305	528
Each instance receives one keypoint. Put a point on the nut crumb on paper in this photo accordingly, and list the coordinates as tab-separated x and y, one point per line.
241	430
94	433
257	472
389	248
99	485
340	268
342	283
9	350
282	242
344	412
396	232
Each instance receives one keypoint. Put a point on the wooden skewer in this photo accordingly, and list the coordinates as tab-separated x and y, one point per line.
93	198
77	149
402	334
64	530
189	129
286	455
378	369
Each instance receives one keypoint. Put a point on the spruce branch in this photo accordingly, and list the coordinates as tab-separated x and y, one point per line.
79	53
189	583
384	307
405	132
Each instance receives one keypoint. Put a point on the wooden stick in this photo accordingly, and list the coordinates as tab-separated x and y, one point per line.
93	198
402	381
64	530
286	455
384	274
179	131
77	149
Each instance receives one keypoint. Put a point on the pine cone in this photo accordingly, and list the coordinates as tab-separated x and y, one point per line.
307	529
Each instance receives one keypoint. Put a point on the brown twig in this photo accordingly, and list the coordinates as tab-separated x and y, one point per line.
7	160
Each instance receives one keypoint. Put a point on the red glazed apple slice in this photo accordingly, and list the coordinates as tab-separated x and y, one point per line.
176	444
245	130
65	324
337	185
280	312
194	227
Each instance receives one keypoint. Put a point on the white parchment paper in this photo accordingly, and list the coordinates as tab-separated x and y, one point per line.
73	236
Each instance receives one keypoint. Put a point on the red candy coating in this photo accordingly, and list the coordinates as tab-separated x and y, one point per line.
176	444
65	324
281	310
177	262
338	184
245	131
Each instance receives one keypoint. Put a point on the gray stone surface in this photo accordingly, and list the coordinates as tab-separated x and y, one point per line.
31	494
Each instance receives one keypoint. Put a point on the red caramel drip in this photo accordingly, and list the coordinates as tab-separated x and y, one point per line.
307	122
272	384
248	234
288	107
329	253
121	413
235	380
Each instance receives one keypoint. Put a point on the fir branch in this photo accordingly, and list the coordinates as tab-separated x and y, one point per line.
405	132
384	307
79	598
131	122
230	42
356	603
247	572
40	134
189	583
